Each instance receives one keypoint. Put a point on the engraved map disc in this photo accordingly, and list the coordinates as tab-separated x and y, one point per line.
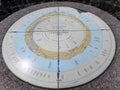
58	47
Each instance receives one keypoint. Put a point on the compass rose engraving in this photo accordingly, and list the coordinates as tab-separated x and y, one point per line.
58	47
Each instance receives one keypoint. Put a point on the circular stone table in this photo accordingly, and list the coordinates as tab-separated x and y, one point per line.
109	80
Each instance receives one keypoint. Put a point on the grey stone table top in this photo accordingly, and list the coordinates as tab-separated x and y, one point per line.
109	80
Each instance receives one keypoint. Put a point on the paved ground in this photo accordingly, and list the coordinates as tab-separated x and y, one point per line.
109	80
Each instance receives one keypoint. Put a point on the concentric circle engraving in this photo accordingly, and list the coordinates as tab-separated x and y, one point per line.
40	36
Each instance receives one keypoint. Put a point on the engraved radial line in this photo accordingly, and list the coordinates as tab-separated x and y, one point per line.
58	51
57	31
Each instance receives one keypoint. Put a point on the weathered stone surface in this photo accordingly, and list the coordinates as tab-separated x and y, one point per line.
109	80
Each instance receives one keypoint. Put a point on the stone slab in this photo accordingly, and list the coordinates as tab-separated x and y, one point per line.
109	80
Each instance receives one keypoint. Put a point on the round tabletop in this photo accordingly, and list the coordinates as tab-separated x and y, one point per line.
109	80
